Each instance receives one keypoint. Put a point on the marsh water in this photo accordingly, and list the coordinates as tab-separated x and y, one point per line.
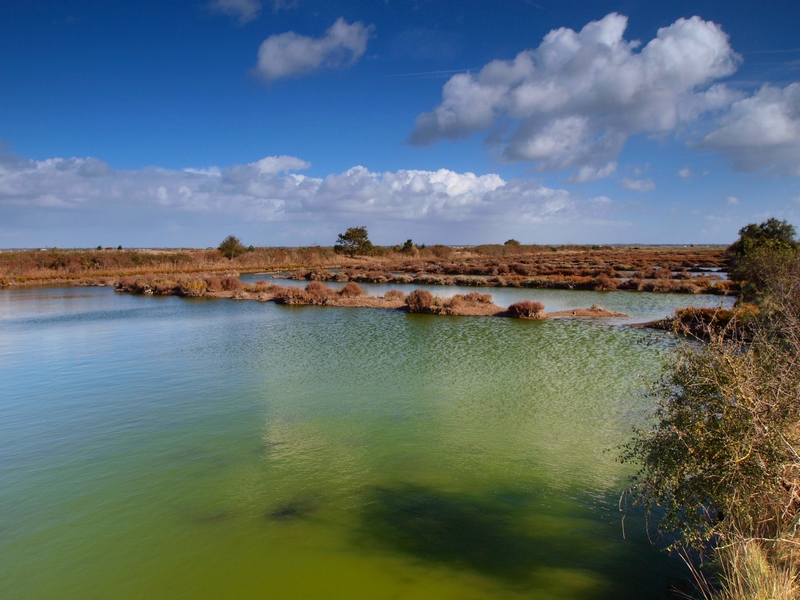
171	448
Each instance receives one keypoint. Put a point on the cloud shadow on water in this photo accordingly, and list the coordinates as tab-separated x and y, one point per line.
496	536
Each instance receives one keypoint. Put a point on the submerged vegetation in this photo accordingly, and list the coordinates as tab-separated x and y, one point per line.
722	459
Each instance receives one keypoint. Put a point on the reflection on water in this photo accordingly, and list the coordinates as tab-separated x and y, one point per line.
159	447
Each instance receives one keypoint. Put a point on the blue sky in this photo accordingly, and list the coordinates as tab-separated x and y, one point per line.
287	121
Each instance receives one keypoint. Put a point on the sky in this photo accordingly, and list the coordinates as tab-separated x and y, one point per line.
174	123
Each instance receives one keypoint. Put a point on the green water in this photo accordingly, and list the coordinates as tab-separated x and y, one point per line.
168	448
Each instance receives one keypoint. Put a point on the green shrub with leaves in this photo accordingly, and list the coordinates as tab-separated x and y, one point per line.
722	458
354	241
231	247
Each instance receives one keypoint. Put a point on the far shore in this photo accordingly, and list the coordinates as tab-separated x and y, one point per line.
686	270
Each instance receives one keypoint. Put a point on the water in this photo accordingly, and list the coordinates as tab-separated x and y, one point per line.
173	448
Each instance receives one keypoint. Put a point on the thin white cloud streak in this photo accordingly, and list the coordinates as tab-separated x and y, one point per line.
575	99
290	54
762	132
638	185
244	10
270	190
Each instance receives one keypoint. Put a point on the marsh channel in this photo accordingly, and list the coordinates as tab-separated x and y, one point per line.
165	447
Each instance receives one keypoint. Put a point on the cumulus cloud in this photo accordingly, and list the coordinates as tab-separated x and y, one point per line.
685	173
290	55
244	10
638	185
732	200
762	132
271	190
575	99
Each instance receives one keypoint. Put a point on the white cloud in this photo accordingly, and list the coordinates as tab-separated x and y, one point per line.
762	131
266	191
685	173
289	54
732	200
278	5
578	96
638	185
585	174
244	10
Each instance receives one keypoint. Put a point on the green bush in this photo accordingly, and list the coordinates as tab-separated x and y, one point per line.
721	458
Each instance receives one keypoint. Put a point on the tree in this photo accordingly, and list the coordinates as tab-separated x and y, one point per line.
231	247
760	249
511	242
408	247
353	241
722	458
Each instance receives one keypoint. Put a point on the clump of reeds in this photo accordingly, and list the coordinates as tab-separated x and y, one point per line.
748	573
527	309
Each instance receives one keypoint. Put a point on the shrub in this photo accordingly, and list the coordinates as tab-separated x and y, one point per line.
351	290
291	295
214	284
231	283
193	287
720	461
318	292
527	309
394	295
420	301
477	298
258	286
164	287
605	282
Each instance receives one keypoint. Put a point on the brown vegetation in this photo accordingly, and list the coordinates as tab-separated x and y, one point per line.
658	269
395	295
351	290
316	293
420	301
527	309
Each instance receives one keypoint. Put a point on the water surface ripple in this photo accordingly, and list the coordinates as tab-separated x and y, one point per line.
169	448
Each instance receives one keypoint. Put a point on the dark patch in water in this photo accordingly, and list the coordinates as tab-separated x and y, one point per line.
485	535
296	508
213	517
266	447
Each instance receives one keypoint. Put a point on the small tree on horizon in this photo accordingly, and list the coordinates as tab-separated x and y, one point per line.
231	247
353	241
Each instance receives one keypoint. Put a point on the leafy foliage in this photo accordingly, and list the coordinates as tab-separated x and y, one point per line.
231	247
354	241
722	456
763	245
